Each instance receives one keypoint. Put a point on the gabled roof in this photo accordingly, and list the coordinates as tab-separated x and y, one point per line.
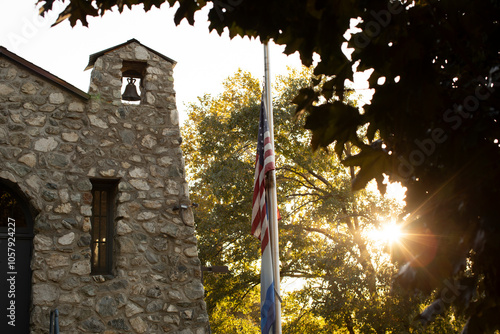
93	57
43	73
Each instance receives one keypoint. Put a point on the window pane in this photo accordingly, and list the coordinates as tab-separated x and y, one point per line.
95	255
97	200
103	206
102	229
95	229
102	256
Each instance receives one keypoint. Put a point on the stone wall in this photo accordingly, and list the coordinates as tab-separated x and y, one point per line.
52	143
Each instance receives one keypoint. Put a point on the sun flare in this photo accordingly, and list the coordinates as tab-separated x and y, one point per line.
389	232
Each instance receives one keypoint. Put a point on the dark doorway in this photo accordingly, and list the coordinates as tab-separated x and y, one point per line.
16	244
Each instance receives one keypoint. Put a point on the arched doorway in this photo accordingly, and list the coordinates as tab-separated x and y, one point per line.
16	244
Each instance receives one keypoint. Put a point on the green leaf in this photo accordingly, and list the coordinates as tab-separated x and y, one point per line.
332	122
304	100
373	163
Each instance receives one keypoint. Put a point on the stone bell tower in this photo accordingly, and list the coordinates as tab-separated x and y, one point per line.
135	147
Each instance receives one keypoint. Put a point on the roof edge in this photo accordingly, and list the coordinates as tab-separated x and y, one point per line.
93	57
46	74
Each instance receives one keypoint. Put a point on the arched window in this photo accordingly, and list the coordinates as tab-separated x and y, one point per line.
16	246
14	206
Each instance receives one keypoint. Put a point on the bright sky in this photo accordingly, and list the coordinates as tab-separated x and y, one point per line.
204	59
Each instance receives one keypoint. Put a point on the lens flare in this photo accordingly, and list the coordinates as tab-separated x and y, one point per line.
389	233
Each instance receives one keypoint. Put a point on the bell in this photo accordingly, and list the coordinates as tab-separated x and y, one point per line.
130	93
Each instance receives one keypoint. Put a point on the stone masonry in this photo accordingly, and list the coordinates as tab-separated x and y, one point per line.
53	141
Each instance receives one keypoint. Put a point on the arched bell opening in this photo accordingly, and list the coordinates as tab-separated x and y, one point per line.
132	81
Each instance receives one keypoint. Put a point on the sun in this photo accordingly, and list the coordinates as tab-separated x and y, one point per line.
388	233
391	232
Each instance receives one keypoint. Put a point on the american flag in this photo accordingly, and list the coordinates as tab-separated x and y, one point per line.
263	164
260	224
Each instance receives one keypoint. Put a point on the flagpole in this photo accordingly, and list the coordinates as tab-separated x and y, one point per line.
273	201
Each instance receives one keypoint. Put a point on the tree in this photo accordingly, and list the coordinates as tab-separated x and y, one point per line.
432	124
323	231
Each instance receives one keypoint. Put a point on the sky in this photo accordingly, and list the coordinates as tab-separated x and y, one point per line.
204	59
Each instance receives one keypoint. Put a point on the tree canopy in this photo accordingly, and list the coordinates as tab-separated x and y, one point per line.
327	231
432	122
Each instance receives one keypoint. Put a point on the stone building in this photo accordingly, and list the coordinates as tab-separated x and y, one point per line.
95	215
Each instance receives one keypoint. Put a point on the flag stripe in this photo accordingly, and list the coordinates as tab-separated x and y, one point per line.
265	241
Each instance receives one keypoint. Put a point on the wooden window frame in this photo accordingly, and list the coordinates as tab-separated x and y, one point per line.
106	217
